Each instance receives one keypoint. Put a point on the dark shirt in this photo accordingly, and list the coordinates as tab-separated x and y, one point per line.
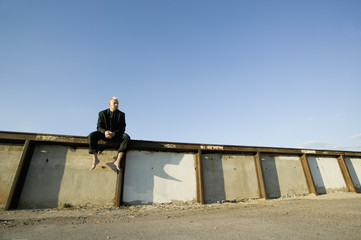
112	117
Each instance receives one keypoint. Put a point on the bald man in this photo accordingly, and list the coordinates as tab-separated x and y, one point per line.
110	127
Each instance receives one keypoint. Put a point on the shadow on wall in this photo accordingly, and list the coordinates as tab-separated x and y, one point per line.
353	172
229	177
43	180
150	176
272	184
213	178
316	175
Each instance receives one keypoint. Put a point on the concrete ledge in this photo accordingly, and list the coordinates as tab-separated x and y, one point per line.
56	172
169	146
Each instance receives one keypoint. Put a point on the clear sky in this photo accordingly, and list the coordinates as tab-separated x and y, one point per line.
251	73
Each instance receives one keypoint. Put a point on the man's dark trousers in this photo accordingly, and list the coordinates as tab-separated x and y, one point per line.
94	137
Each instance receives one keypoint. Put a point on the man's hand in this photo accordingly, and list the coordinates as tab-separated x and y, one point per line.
109	134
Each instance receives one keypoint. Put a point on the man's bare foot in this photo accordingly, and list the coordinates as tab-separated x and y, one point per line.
117	164
95	163
119	158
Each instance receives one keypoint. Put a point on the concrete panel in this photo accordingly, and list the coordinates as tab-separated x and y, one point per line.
354	167
10	154
284	176
60	175
159	177
326	174
229	177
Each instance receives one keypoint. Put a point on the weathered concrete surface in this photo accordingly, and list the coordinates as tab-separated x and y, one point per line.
161	172
9	160
60	175
354	167
326	174
159	177
229	177
283	176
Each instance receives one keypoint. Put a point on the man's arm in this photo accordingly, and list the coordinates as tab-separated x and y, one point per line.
101	126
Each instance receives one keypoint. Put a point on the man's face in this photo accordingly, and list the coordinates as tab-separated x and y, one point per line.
113	105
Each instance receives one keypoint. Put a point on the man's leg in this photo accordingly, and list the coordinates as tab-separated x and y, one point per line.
121	150
118	161
95	161
93	138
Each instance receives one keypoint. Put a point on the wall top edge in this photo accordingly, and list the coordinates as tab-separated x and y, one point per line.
169	146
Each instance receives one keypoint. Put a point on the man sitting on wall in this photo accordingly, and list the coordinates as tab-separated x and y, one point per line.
110	127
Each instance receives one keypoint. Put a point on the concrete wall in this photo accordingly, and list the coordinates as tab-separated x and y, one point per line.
229	177
283	176
326	174
165	172
354	167
60	175
9	159
159	177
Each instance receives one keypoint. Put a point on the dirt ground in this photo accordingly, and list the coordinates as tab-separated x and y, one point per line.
330	216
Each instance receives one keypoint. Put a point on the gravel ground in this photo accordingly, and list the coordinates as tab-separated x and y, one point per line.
330	216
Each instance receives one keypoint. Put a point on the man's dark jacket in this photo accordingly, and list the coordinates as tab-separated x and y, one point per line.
118	124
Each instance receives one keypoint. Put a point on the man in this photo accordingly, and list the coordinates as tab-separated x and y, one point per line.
110	127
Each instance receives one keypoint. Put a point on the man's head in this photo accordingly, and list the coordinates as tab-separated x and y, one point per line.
113	104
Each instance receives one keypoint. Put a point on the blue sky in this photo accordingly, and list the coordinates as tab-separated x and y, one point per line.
251	73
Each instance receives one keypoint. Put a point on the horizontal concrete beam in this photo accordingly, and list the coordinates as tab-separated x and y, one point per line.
169	146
